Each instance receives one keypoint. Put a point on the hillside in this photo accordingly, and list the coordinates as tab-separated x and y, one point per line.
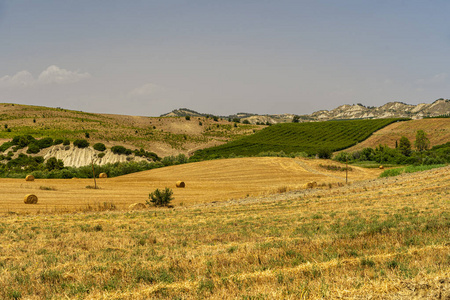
438	132
308	137
344	112
164	136
378	239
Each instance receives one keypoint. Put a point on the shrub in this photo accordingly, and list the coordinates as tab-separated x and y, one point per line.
33	148
121	150
45	142
324	153
58	142
101	155
99	147
81	143
86	135
54	164
246	122
160	197
187	118
5	146
66	142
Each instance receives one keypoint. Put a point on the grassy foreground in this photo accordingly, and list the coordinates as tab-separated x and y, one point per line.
386	238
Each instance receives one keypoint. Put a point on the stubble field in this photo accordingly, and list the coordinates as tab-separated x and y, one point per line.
373	239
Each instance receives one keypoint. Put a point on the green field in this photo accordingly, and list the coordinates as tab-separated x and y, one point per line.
308	137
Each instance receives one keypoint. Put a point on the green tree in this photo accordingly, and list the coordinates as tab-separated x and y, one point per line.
99	147
296	119
405	146
160	197
81	143
422	143
54	164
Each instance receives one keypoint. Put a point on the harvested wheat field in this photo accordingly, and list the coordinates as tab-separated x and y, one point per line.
208	181
438	131
374	239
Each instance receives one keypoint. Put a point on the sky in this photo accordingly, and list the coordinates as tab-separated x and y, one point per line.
223	57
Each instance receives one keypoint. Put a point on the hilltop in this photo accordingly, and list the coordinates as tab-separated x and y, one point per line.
161	135
344	112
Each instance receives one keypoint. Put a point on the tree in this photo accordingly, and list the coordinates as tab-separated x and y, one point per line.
81	143
422	143
405	146
160	197
296	119
54	164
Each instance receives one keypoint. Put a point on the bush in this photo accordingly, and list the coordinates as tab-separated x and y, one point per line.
101	155
100	147
5	146
121	150
45	142
324	153
187	118
160	197
81	143
66	143
58	142
54	164
33	148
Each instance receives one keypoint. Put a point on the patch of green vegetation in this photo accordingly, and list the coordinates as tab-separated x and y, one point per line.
409	169
310	137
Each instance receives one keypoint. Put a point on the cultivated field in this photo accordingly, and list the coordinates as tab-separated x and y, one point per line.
207	181
376	239
438	132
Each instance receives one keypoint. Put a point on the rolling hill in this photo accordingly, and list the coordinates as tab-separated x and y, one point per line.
164	136
309	137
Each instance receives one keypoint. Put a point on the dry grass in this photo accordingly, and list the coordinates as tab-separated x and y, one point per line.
438	131
208	181
164	136
378	239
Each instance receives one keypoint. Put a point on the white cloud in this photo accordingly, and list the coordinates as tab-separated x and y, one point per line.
51	75
21	79
54	74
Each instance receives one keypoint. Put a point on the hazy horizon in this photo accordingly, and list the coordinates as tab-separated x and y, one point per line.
265	57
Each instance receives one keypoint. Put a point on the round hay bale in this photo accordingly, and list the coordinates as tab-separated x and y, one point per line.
29	178
137	206
30	199
381	167
102	175
180	184
311	185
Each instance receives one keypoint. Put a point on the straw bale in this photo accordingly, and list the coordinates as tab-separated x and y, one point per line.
137	206
180	184
381	167
29	178
102	175
30	199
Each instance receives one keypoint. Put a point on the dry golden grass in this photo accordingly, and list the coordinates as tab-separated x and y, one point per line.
438	131
207	181
377	239
164	136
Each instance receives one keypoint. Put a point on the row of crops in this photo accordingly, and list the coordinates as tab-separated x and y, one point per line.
310	137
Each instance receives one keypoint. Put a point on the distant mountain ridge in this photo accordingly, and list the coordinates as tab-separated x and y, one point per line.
344	112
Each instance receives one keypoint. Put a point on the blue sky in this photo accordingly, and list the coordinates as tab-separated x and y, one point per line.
223	57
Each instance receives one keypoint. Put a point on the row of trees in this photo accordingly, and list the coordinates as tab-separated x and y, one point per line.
403	153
